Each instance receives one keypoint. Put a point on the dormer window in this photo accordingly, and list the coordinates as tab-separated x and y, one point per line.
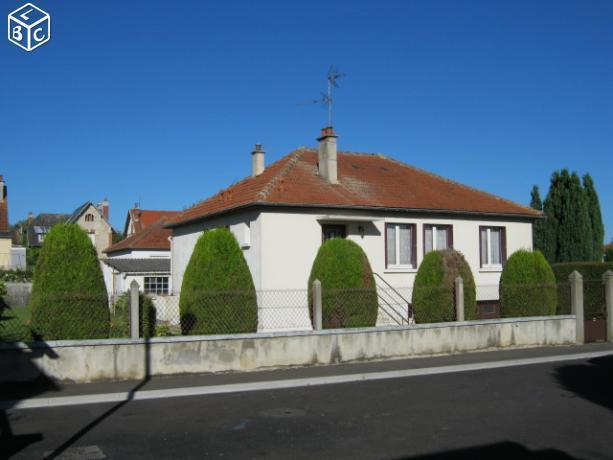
89	217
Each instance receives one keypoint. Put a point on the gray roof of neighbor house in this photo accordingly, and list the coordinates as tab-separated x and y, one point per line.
139	265
41	224
77	212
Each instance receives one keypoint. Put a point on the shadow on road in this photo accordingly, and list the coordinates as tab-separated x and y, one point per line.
503	450
14	356
130	396
592	380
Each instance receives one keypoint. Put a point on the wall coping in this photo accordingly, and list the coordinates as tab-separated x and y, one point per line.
270	335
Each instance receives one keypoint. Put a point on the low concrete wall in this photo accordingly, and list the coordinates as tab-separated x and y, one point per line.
112	359
17	294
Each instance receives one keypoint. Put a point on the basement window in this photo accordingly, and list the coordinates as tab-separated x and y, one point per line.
156	285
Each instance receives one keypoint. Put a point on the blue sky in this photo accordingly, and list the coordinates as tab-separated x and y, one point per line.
161	102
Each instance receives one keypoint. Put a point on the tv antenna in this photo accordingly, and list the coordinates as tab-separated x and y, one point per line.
326	98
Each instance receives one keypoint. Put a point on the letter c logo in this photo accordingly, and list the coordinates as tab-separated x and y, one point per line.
38	32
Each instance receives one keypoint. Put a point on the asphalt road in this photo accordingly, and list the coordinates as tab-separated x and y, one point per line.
558	410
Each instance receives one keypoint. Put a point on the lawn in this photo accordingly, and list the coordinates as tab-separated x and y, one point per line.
15	324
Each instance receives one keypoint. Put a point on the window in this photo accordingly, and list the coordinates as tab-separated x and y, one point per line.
332	231
89	217
156	285
492	242
400	246
437	237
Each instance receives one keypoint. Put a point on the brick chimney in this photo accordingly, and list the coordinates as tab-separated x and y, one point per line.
4	211
30	218
257	161
105	209
328	162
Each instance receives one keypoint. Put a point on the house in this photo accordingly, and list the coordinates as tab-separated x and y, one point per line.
138	219
143	256
39	226
11	257
94	219
395	212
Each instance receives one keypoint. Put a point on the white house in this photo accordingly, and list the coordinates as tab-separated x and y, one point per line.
395	212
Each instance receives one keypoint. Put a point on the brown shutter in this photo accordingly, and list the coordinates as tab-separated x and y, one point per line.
503	244
414	244
450	236
480	247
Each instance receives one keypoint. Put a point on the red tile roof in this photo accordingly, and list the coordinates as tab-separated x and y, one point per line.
365	181
153	237
142	218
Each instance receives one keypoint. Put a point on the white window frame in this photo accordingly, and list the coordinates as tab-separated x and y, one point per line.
156	284
488	247
396	226
434	239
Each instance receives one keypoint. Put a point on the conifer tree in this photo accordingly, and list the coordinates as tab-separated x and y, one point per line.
538	228
595	217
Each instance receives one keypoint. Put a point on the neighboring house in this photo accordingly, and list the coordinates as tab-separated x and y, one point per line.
143	257
94	219
11	257
395	212
39	226
139	219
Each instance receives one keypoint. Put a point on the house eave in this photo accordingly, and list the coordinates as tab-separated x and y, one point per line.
261	204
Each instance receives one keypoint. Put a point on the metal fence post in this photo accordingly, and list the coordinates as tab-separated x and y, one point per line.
607	280
459	299
576	303
134	309
317	305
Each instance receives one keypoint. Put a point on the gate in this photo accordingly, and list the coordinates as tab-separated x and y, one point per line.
595	326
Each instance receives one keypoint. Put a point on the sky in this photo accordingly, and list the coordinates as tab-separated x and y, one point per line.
162	102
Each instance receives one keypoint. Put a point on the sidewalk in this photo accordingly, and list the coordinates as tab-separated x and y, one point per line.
37	395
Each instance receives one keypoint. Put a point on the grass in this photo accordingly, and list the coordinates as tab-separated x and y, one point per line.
15	324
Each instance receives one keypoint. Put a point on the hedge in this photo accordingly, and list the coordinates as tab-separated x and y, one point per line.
217	294
16	276
69	299
349	293
120	318
593	289
527	286
433	290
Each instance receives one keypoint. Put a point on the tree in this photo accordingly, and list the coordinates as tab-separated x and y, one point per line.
69	299
217	294
349	293
433	290
568	232
538	229
527	285
595	216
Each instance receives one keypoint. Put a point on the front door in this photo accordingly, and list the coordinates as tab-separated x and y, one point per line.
332	231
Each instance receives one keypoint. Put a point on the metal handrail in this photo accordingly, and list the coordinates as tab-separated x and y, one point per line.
410	308
399	314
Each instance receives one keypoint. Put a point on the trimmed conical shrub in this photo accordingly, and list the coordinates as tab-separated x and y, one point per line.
349	293
433	291
218	295
69	299
527	286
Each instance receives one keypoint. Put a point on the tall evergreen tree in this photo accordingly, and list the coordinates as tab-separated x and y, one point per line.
538	228
568	230
595	216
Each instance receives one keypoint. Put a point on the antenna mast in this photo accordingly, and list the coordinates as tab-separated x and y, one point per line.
326	98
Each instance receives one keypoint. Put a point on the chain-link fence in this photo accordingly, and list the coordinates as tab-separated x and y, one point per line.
78	317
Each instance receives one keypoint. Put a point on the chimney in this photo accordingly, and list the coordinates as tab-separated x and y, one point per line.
2	189
105	209
328	167
257	161
30	218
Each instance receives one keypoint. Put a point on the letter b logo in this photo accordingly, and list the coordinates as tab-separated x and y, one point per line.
17	35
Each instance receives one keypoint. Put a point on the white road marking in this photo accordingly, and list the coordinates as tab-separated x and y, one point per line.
37	403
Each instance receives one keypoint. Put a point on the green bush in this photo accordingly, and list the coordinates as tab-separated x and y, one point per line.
349	293
69	299
593	290
2	290
217	294
120	318
16	276
527	286
434	286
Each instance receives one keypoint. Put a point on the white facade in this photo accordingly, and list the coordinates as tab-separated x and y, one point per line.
283	244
